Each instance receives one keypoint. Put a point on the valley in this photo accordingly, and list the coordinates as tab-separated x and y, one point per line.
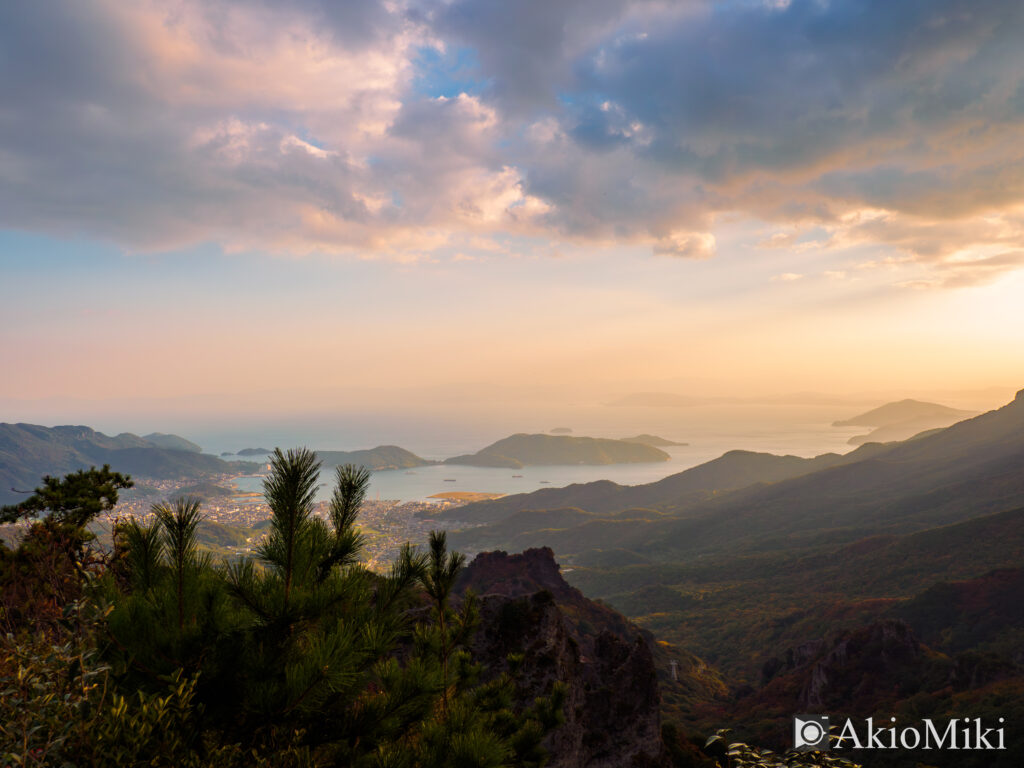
764	584
760	565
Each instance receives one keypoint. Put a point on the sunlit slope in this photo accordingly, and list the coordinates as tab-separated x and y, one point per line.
733	470
970	469
29	451
973	468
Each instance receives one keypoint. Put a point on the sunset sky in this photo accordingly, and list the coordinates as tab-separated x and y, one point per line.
266	205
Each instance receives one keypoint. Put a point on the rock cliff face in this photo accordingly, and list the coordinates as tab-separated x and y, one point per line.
862	665
854	671
612	707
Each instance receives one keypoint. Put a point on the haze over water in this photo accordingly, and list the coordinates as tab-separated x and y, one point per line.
437	224
709	431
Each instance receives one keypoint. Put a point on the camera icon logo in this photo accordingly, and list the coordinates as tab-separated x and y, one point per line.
810	733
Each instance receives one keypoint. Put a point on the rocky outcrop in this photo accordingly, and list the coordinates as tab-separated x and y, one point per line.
855	671
612	708
499	573
864	663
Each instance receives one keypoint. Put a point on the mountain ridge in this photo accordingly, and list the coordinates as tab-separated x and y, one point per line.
902	420
731	471
901	410
29	451
963	471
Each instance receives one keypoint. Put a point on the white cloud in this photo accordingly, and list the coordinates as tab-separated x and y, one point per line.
305	127
691	245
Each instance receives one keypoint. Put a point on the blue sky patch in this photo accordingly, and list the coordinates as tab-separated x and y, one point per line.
447	73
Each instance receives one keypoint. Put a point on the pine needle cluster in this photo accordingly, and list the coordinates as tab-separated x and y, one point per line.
299	656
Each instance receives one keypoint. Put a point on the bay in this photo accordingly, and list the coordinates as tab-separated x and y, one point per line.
421	483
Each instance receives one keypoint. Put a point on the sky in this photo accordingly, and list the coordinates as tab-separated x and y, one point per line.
259	208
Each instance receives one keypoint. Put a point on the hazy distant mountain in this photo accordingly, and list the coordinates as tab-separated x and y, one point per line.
904	410
171	442
561	431
966	470
886	580
748	502
902	420
944	506
29	451
652	440
674	400
732	470
904	430
381	457
485	458
522	450
659	400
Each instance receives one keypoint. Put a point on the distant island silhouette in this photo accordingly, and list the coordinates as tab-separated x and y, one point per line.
523	450
902	420
651	440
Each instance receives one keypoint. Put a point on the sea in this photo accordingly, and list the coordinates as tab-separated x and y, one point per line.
708	433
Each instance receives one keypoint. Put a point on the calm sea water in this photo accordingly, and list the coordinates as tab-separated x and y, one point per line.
800	432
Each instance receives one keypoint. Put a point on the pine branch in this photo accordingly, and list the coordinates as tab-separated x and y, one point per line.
180	523
289	490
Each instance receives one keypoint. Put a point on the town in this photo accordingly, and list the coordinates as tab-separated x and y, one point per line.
385	524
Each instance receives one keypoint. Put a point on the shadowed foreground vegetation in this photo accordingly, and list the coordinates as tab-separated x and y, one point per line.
153	654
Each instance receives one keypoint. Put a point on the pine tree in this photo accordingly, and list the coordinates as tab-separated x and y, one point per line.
476	723
74	499
303	651
49	567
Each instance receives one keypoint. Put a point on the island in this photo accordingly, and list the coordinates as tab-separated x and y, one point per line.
652	440
523	450
902	420
382	457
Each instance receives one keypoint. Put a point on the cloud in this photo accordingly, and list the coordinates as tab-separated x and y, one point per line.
528	49
306	126
185	125
251	125
794	112
975	248
780	240
970	270
693	245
